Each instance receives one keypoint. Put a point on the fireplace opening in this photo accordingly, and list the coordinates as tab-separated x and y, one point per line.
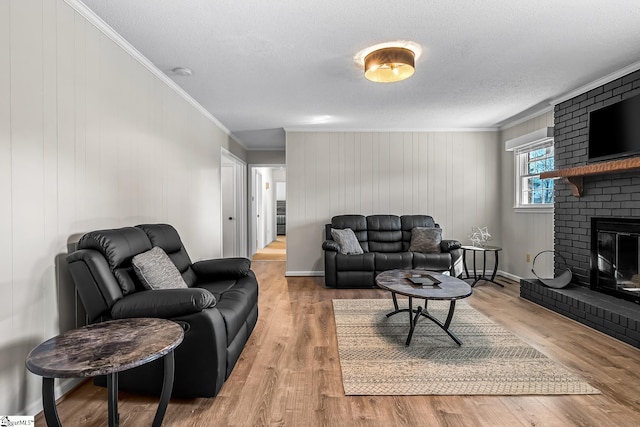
615	257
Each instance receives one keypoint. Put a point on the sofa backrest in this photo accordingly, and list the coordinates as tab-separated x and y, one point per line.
167	238
385	233
381	233
408	222
118	246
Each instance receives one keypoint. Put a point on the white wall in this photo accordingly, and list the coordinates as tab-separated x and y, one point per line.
89	138
522	233
452	176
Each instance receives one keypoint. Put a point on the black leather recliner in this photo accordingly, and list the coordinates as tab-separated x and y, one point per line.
385	240
214	336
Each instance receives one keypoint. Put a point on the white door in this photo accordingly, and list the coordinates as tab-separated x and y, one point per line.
229	216
233	205
259	213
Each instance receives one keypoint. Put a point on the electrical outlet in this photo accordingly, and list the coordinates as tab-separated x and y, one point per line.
528	257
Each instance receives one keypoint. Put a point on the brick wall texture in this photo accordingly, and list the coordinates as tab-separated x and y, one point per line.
605	196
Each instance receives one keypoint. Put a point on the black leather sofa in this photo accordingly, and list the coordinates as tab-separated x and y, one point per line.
385	240
214	335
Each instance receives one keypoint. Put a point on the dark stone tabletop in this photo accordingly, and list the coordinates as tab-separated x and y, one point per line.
449	288
104	348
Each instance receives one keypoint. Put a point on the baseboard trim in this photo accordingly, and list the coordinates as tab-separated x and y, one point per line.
304	273
509	276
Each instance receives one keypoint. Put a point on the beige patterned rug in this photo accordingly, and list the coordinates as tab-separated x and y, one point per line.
491	360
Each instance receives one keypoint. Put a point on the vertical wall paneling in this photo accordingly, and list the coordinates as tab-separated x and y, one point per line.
89	138
50	163
8	335
387	172
26	180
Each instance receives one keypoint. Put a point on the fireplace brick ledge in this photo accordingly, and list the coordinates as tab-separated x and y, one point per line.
613	316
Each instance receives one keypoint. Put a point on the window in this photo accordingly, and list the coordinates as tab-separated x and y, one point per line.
531	191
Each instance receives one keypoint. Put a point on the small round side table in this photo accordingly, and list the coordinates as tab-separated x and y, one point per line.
482	275
105	349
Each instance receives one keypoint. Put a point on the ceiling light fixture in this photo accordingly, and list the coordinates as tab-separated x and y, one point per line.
182	71
389	62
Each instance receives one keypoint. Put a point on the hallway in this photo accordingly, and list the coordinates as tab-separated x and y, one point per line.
274	251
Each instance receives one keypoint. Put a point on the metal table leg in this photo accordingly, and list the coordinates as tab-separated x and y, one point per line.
415	315
167	387
49	403
112	391
464	262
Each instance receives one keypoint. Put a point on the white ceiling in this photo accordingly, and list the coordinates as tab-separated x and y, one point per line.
261	66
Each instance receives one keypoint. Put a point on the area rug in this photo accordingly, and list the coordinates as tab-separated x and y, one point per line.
491	361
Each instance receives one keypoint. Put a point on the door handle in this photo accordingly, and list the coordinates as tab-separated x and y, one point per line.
230	218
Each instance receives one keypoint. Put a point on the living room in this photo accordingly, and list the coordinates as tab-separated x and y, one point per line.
93	136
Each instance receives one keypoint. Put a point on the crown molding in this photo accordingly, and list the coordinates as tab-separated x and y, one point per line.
511	123
597	83
105	29
329	130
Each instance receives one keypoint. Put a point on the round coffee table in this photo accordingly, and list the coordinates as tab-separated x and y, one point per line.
429	286
106	348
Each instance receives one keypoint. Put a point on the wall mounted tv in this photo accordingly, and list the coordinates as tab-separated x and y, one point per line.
614	130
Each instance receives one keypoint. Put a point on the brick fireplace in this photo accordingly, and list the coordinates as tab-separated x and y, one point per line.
608	196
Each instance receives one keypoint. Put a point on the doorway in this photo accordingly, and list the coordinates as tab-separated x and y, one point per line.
267	191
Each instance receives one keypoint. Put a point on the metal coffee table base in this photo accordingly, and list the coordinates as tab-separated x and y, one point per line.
413	319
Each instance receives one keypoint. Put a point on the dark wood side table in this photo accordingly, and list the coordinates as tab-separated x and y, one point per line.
105	349
449	289
482	276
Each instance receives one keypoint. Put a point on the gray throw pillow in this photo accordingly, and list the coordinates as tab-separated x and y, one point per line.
426	240
347	240
156	271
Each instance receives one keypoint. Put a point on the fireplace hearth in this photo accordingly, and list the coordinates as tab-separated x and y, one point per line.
615	257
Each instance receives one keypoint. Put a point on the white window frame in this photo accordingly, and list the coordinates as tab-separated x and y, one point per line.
521	171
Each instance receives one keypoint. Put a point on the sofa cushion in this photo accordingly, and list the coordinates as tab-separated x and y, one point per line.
425	240
156	271
347	240
362	262
392	261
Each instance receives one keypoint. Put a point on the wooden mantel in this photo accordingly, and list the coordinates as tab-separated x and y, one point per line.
574	175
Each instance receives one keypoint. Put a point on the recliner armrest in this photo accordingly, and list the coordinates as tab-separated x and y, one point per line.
164	303
449	245
331	245
222	268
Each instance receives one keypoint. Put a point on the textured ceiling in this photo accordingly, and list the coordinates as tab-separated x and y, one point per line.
260	66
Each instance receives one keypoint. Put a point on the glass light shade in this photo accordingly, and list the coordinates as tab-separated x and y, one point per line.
390	64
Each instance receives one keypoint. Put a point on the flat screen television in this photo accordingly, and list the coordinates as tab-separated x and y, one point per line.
614	130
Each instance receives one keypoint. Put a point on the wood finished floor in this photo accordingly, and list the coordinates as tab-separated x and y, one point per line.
289	372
